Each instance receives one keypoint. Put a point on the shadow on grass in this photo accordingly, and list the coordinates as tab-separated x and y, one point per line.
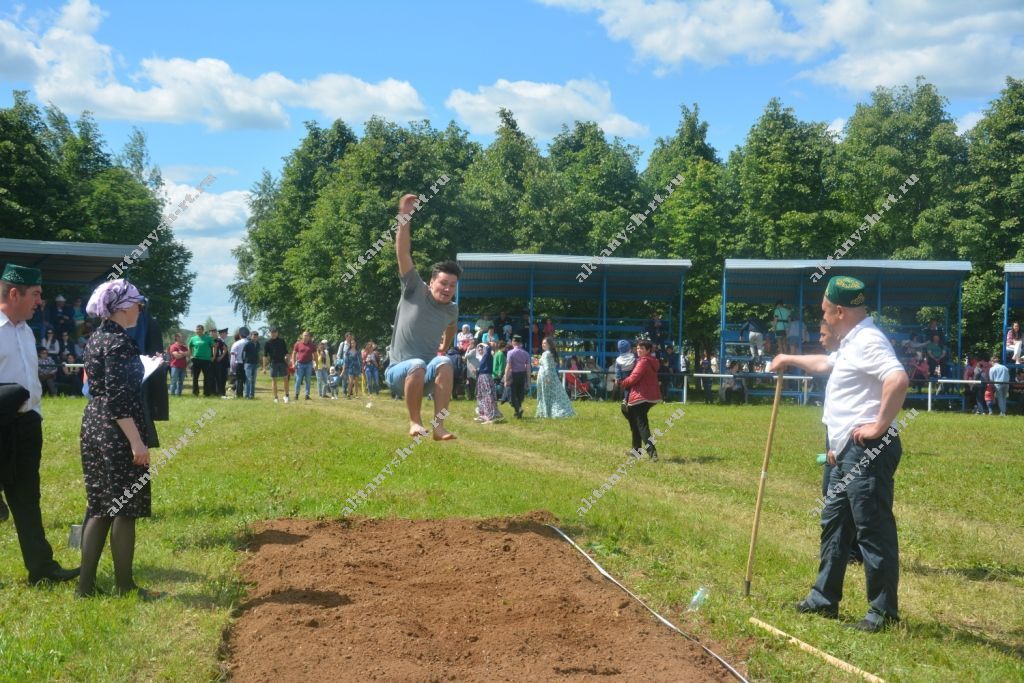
235	538
945	633
155	573
971	573
699	460
274	537
296	596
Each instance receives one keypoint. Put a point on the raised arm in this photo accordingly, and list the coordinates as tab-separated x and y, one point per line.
403	238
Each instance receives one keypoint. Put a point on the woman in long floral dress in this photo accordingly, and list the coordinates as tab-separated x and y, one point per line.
552	401
486	407
115	438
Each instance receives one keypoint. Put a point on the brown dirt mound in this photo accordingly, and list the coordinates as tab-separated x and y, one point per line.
436	600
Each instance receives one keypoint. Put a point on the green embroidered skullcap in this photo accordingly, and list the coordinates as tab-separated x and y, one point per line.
844	290
20	275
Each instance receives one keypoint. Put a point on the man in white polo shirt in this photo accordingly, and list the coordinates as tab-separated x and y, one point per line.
864	395
21	434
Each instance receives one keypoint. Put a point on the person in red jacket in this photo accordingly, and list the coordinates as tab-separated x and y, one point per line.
642	393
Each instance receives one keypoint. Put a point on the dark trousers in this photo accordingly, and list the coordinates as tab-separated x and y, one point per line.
223	370
519	380
639	426
21	449
705	385
205	368
239	378
862	513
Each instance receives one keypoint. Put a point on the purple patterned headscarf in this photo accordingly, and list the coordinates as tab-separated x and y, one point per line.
111	296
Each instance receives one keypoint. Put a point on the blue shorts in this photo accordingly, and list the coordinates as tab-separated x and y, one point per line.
395	374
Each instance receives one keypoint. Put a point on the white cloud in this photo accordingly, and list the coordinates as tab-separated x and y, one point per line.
968	121
966	49
207	211
836	127
542	108
20	58
69	67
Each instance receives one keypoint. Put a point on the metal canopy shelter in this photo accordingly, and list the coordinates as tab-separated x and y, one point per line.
889	283
556	276
65	263
1013	296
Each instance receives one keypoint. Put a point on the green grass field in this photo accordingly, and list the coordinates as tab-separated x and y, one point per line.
664	530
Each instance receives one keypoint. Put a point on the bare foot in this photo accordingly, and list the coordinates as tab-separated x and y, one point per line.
416	429
442	434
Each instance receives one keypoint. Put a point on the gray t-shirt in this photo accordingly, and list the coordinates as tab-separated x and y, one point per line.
420	321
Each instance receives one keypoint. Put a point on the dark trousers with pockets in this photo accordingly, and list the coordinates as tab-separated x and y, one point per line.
21	449
860	510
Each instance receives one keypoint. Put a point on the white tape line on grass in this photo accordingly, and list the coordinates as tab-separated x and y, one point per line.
662	619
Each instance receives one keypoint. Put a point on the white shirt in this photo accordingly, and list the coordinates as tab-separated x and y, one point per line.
236	352
853	395
19	362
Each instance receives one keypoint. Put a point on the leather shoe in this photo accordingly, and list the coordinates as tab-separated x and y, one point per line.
830	611
55	576
868	626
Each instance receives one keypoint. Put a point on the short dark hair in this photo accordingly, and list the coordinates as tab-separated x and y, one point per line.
6	287
449	267
645	343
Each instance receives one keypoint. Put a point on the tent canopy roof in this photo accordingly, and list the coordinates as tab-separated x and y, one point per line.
557	276
902	283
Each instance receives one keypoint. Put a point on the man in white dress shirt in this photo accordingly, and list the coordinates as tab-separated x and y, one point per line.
21	434
864	395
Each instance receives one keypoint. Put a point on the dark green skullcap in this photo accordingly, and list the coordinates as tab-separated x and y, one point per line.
20	275
843	290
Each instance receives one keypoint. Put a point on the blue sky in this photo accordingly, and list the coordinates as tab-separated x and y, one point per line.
223	88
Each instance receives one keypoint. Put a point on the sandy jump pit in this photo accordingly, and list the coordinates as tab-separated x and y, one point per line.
443	600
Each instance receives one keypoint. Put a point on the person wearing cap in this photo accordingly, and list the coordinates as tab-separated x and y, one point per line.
221	360
864	395
424	330
276	353
322	367
517	374
21	429
116	437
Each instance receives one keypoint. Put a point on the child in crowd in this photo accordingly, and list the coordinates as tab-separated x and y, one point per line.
333	379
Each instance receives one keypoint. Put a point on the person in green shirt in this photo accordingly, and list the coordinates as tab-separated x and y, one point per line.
498	372
200	351
936	356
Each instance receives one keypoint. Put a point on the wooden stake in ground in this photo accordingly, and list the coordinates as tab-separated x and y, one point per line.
834	661
760	485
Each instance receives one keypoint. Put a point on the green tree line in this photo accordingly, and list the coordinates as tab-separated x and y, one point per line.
59	182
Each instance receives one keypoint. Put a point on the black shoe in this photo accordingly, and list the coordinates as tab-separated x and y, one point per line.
57	575
307	398
4	512
654	457
868	626
830	611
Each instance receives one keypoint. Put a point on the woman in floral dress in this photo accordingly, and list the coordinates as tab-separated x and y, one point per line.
486	407
115	439
552	401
